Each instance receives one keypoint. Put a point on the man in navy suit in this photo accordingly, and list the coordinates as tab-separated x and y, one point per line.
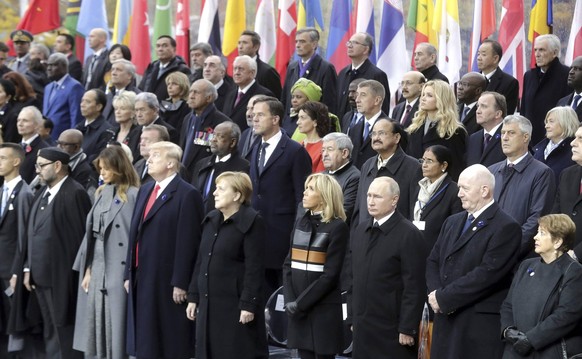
488	58
164	237
575	82
484	146
62	97
279	167
412	83
97	64
468	272
311	66
249	43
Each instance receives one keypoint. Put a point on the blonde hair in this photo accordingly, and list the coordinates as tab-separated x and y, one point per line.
331	195
560	226
567	119
447	116
182	81
172	152
240	183
125	99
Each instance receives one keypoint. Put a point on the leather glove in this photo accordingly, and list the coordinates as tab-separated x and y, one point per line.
523	347
291	309
512	335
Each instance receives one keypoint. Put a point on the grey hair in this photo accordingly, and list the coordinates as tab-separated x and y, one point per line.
149	98
313	33
42	48
60	59
210	89
342	141
553	42
523	123
567	119
249	60
35	112
128	65
202	46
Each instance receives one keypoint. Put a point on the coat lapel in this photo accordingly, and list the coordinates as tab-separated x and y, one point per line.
476	226
163	198
276	153
11	200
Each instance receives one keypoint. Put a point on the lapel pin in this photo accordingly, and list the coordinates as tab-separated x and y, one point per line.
164	197
117	201
531	272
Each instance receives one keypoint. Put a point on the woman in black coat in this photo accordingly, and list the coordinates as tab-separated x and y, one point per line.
311	271
175	108
437	123
225	294
436	196
555	151
541	316
9	110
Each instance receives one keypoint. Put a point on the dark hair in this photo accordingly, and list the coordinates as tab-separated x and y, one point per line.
48	123
496	46
9	88
318	113
69	39
125	51
500	102
24	90
255	37
396	128
4	47
115	159
100	98
275	106
16	148
172	40
442	154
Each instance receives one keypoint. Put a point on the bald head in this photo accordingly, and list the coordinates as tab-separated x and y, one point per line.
470	87
476	187
97	39
70	141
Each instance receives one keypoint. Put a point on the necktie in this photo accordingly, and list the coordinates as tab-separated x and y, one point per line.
263	154
4	198
208	184
575	102
145	171
465	112
486	140
376	224
90	73
54	90
151	200
366	130
354	121
405	116
190	137
238	97
470	220
44	200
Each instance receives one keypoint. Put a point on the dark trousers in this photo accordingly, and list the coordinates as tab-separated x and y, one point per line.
306	354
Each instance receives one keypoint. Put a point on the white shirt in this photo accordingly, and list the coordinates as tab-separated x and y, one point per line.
479	212
10	185
247	87
273	142
518	160
383	220
493	130
55	189
164	183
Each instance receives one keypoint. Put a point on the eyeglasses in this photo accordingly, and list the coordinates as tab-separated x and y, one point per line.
40	166
349	43
379	133
428	161
64	144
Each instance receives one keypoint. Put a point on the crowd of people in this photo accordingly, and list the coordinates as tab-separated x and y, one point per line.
154	216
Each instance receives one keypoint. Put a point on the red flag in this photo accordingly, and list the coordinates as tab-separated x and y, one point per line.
183	30
139	41
285	36
41	16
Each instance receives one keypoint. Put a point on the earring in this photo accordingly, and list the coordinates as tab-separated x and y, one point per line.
443	170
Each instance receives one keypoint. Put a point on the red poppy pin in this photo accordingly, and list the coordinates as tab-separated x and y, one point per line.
28	149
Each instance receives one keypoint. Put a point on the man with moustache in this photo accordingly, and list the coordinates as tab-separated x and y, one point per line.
21	40
469	88
412	83
575	82
484	146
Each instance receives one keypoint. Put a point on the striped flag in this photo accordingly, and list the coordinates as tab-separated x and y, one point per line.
420	18
540	23
70	23
121	23
393	41
365	22
162	22
309	14
182	29
339	33
139	41
575	43
209	29
483	27
234	25
446	23
285	36
512	40
265	27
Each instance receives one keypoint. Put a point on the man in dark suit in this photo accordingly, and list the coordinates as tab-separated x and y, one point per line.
387	252
468	272
199	52
488	57
235	104
28	122
199	126
412	83
391	161
15	205
575	82
149	135
311	66
369	99
249	139
525	188
279	167
352	117
249	43
164	238
65	43
154	78
425	59
225	157
62	97
484	146
96	131
122	78
97	64
54	232
360	46
569	196
336	155
147	110
543	85
469	88
215	72
80	168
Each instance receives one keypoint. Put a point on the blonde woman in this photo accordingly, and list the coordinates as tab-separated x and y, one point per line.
175	107
436	123
311	272
127	131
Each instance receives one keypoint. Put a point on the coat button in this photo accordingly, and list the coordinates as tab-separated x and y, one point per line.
215	234
117	226
259	196
206	274
123	263
120	244
574	213
206	295
446	277
209	253
449	258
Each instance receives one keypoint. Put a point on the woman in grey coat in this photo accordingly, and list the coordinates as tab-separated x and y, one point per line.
101	304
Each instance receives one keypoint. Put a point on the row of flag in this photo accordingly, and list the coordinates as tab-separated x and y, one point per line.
435	21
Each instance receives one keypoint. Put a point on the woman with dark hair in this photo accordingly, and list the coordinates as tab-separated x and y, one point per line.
116	52
311	271
436	196
101	298
25	94
541	316
313	121
225	295
9	111
175	108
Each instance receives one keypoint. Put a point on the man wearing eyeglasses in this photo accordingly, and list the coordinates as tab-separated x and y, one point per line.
359	47
54	232
71	141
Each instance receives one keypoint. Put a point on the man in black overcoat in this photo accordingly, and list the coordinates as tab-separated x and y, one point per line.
575	82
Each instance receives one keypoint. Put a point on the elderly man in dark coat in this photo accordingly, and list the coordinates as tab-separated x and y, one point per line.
388	285
468	272
163	244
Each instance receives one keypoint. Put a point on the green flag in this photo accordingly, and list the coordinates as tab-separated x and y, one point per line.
162	22
70	23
